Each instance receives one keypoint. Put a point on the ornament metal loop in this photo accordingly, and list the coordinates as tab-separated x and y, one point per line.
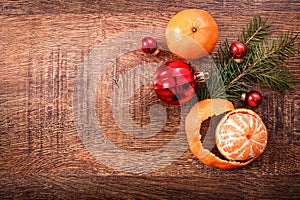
201	76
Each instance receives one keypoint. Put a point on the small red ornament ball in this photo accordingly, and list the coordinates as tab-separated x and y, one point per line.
252	98
149	45
174	82
238	49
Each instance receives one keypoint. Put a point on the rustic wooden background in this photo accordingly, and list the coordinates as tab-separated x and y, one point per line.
43	45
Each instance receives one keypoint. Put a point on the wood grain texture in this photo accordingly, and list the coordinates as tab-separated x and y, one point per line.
43	45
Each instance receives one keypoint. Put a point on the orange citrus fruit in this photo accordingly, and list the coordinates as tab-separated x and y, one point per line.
204	109
191	34
241	135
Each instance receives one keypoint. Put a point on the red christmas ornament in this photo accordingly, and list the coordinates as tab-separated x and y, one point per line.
174	82
149	45
252	98
238	50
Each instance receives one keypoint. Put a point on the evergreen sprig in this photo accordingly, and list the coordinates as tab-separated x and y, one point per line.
256	31
261	65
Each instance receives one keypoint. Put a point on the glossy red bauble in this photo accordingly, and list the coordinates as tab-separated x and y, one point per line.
238	49
252	98
174	82
149	45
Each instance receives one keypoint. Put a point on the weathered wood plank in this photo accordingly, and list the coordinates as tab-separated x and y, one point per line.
148	187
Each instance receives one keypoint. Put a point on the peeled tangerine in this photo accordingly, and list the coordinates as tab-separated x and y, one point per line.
191	34
241	135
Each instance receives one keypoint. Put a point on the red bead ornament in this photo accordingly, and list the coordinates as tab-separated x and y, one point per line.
149	45
238	50
252	98
174	82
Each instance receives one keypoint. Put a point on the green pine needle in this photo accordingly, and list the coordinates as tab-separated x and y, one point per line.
261	65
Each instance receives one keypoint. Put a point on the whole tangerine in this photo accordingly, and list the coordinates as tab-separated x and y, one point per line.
192	34
241	135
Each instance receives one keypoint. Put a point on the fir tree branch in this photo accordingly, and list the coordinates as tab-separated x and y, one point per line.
261	65
263	68
270	55
255	31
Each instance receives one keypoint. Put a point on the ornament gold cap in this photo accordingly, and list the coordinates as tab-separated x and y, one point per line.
156	52
201	76
238	60
243	96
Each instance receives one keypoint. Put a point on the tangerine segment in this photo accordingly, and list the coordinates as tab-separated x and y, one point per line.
241	135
